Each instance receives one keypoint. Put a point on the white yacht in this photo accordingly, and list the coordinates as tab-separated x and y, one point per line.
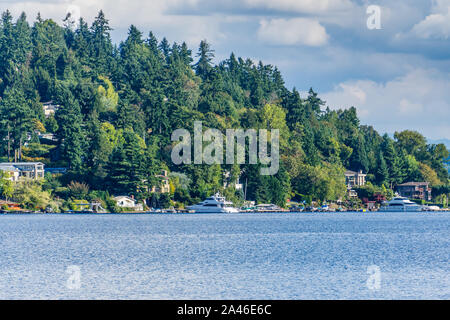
214	204
401	204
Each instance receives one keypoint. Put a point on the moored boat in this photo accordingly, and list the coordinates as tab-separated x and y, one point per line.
214	204
401	204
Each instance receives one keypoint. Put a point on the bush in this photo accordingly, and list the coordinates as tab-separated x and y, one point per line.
78	190
31	196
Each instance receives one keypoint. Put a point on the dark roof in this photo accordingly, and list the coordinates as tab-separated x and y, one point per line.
413	184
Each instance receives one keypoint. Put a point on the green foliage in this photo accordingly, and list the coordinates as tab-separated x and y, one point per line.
31	196
125	165
78	190
108	97
6	185
428	174
369	191
37	150
16	117
411	141
70	130
120	104
205	54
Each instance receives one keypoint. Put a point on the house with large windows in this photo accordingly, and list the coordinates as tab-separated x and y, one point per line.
10	173
128	203
164	184
355	179
23	170
415	190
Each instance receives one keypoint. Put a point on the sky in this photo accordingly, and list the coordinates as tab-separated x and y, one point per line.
393	67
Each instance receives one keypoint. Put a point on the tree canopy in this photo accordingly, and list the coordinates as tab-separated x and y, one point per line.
119	104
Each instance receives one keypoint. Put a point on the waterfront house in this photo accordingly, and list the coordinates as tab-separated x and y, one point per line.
415	190
164	185
11	172
353	179
24	170
128	202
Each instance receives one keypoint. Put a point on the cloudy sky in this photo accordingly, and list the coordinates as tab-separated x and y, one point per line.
398	76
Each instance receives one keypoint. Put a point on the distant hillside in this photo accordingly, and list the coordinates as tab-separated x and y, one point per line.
115	109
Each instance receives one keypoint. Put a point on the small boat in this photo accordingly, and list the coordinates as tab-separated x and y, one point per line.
296	209
214	204
401	204
431	208
268	208
170	210
247	209
87	211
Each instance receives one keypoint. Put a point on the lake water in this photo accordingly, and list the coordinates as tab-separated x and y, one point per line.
241	256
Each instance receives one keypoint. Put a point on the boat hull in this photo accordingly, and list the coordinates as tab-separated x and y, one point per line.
213	210
402	209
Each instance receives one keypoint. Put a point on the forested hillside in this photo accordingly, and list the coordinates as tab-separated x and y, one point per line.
120	104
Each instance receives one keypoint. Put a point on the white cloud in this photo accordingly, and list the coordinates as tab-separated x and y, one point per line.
297	31
147	15
434	26
419	99
437	24
303	6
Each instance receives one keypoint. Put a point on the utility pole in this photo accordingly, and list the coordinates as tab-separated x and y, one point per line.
9	145
245	190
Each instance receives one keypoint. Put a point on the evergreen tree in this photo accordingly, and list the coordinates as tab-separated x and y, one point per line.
100	45
382	172
15	120
70	131
296	110
165	48
125	172
205	56
120	104
8	50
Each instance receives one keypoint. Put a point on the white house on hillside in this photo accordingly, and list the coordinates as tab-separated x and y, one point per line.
128	202
27	170
11	172
50	108
353	179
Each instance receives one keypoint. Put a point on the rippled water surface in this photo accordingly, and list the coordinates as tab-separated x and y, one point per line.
242	256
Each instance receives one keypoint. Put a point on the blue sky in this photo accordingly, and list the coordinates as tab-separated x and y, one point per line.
398	77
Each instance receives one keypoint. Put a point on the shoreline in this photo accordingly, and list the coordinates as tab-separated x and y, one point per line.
215	213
